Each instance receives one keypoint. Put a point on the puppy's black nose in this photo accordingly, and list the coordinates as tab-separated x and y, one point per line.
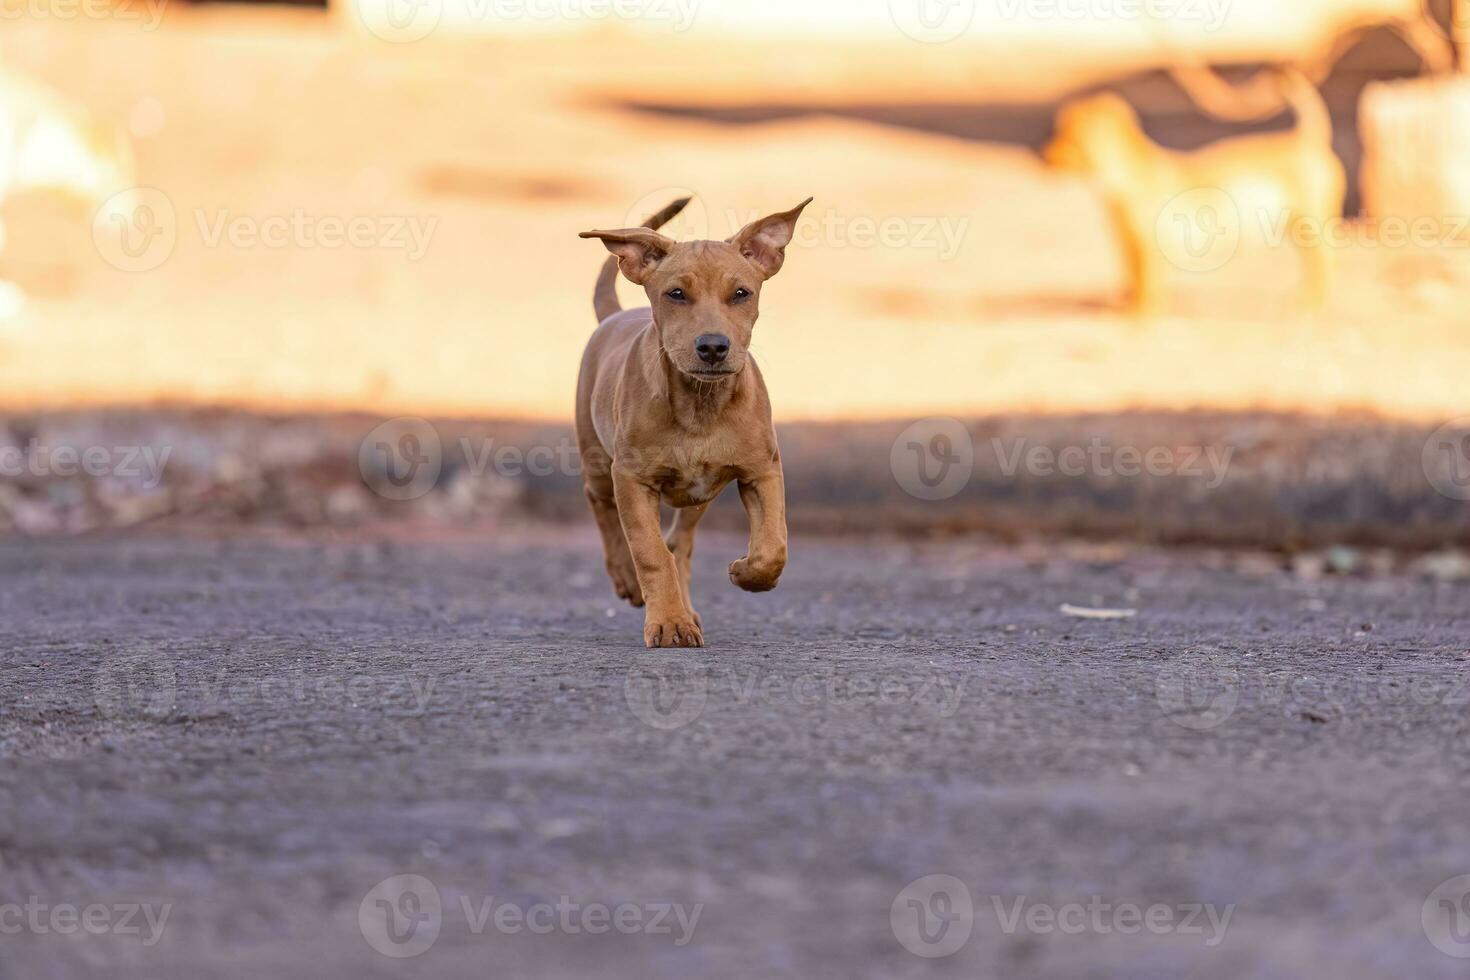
712	347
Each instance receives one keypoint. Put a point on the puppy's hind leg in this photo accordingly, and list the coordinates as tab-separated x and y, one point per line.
680	540
1148	296
1316	276
1319	256
616	556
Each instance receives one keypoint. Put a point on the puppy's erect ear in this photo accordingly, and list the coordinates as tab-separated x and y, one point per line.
764	242
639	250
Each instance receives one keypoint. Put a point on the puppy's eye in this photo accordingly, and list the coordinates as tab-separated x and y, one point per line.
677	295
741	295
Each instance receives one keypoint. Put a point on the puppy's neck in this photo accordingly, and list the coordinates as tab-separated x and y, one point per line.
697	404
694	404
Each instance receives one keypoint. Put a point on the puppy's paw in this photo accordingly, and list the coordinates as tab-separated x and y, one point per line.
679	630
755	577
625	583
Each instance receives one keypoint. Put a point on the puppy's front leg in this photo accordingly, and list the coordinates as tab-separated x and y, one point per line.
667	622
765	505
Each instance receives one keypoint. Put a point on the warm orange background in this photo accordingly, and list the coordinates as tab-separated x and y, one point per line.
511	144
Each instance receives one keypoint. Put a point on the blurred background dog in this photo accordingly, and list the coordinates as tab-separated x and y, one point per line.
1292	187
50	144
1277	179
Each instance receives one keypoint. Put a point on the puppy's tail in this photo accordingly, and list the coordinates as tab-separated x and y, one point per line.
1262	97
1257	99
1313	118
605	294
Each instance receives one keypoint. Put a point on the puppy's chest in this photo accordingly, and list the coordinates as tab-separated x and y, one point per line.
693	472
694	483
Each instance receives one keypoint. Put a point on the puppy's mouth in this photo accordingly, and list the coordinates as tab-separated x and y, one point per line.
707	373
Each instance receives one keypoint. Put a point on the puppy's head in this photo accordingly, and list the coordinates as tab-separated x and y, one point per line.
705	295
1096	134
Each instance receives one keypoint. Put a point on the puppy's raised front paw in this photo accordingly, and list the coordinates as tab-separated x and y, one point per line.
754	576
679	630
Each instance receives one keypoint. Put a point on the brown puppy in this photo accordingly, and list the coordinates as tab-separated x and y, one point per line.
1273	177
671	407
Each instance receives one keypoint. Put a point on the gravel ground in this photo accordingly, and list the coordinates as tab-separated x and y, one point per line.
1259	775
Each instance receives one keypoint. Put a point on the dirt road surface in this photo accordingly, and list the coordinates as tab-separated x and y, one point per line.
214	752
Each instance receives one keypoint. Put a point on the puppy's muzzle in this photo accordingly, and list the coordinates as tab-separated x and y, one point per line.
712	348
